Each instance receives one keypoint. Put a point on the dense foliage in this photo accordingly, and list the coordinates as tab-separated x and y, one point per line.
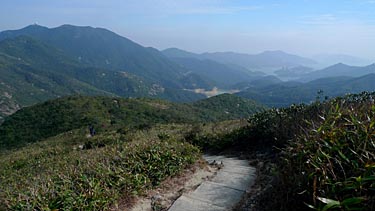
325	153
331	163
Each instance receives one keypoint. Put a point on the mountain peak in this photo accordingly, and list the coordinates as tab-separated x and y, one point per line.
274	52
339	65
34	27
67	26
179	53
371	65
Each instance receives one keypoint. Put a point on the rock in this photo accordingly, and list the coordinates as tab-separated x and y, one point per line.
158	203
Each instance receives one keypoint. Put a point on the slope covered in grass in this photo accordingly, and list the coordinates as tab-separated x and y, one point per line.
105	113
74	172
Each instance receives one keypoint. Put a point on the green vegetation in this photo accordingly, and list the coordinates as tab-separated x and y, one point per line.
333	158
101	48
323	153
32	71
56	116
75	172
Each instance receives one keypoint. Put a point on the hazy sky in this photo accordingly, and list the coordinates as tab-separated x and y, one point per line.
304	27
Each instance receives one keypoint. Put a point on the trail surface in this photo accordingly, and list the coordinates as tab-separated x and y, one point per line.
223	191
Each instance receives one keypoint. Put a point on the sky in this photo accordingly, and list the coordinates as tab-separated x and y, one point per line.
304	27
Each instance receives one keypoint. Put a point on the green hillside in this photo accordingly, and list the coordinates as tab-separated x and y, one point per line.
74	172
309	156
98	47
229	105
48	161
340	69
222	75
47	119
32	72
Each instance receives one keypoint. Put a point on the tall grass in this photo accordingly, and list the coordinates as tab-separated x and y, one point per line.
71	172
323	154
332	163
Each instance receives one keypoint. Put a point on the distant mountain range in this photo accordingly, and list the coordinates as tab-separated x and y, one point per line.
325	60
220	75
339	69
101	48
39	63
293	73
285	93
267	61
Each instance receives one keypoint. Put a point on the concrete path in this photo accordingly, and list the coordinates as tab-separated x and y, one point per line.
223	192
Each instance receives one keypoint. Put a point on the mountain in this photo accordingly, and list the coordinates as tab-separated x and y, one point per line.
340	69
220	74
98	47
267	61
292	73
230	105
325	60
264	81
284	94
38	63
32	71
50	118
178	53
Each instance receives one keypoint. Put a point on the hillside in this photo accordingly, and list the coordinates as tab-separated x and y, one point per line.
32	71
293	73
50	118
284	94
137	138
222	75
339	69
73	171
267	61
101	48
329	59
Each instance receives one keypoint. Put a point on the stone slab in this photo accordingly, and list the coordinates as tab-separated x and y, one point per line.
217	194
188	204
234	180
223	192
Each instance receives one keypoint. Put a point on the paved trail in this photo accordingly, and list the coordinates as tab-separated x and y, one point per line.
222	192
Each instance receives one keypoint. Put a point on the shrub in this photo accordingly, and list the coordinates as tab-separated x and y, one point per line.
332	163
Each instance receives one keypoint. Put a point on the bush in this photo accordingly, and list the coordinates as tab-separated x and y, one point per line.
332	163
